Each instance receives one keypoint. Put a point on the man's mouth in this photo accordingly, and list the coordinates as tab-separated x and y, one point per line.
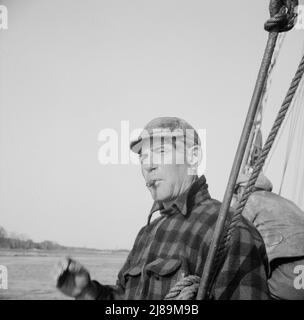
153	183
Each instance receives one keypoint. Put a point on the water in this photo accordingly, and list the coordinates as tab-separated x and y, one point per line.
31	274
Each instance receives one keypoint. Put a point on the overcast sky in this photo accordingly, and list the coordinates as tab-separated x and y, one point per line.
70	69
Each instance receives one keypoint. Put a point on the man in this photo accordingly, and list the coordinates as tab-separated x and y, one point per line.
176	243
281	224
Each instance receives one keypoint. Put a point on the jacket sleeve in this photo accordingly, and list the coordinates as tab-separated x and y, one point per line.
111	292
243	275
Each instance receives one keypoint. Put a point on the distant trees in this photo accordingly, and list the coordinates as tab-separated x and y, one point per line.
16	241
3	233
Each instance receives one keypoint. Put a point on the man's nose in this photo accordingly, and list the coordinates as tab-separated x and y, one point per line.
149	166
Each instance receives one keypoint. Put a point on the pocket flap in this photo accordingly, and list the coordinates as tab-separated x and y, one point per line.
134	271
163	267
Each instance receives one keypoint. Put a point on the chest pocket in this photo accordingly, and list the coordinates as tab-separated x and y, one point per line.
159	268
163	267
162	274
132	282
133	272
158	278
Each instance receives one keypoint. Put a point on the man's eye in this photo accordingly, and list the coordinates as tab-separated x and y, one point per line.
142	158
159	151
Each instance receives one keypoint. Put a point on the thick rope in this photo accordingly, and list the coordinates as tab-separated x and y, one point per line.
223	246
263	102
215	254
185	289
282	19
272	135
260	162
222	249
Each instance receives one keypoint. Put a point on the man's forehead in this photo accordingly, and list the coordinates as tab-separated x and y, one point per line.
157	142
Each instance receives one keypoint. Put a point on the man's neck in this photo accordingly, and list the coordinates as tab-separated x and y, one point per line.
168	204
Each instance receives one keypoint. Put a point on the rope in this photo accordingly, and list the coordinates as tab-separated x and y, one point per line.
260	162
210	268
275	145
298	185
185	289
291	137
223	245
291	112
282	19
297	115
272	135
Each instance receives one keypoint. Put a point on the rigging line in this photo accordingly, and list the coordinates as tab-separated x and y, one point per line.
214	255
295	176
287	156
300	201
270	139
297	186
297	114
301	176
278	139
276	54
263	102
266	90
291	138
298	177
288	115
222	242
299	152
290	112
281	19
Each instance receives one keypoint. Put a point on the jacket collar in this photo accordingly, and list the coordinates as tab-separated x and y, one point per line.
197	192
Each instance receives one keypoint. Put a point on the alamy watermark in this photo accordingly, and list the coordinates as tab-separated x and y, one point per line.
3	17
115	148
3	278
298	282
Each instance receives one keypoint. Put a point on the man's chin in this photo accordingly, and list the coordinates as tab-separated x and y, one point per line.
159	197
160	194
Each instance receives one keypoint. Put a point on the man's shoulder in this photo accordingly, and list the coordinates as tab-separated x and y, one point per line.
248	232
154	221
207	212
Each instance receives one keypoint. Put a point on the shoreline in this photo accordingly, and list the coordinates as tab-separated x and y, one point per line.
55	252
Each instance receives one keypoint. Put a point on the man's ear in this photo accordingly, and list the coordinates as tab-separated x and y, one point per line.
194	156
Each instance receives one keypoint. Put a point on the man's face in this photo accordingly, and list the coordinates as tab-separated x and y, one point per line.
164	168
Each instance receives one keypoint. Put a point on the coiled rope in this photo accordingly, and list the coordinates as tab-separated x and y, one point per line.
185	289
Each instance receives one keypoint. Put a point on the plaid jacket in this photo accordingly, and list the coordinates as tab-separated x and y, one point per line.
176	245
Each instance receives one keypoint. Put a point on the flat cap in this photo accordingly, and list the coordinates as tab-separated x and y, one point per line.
166	127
